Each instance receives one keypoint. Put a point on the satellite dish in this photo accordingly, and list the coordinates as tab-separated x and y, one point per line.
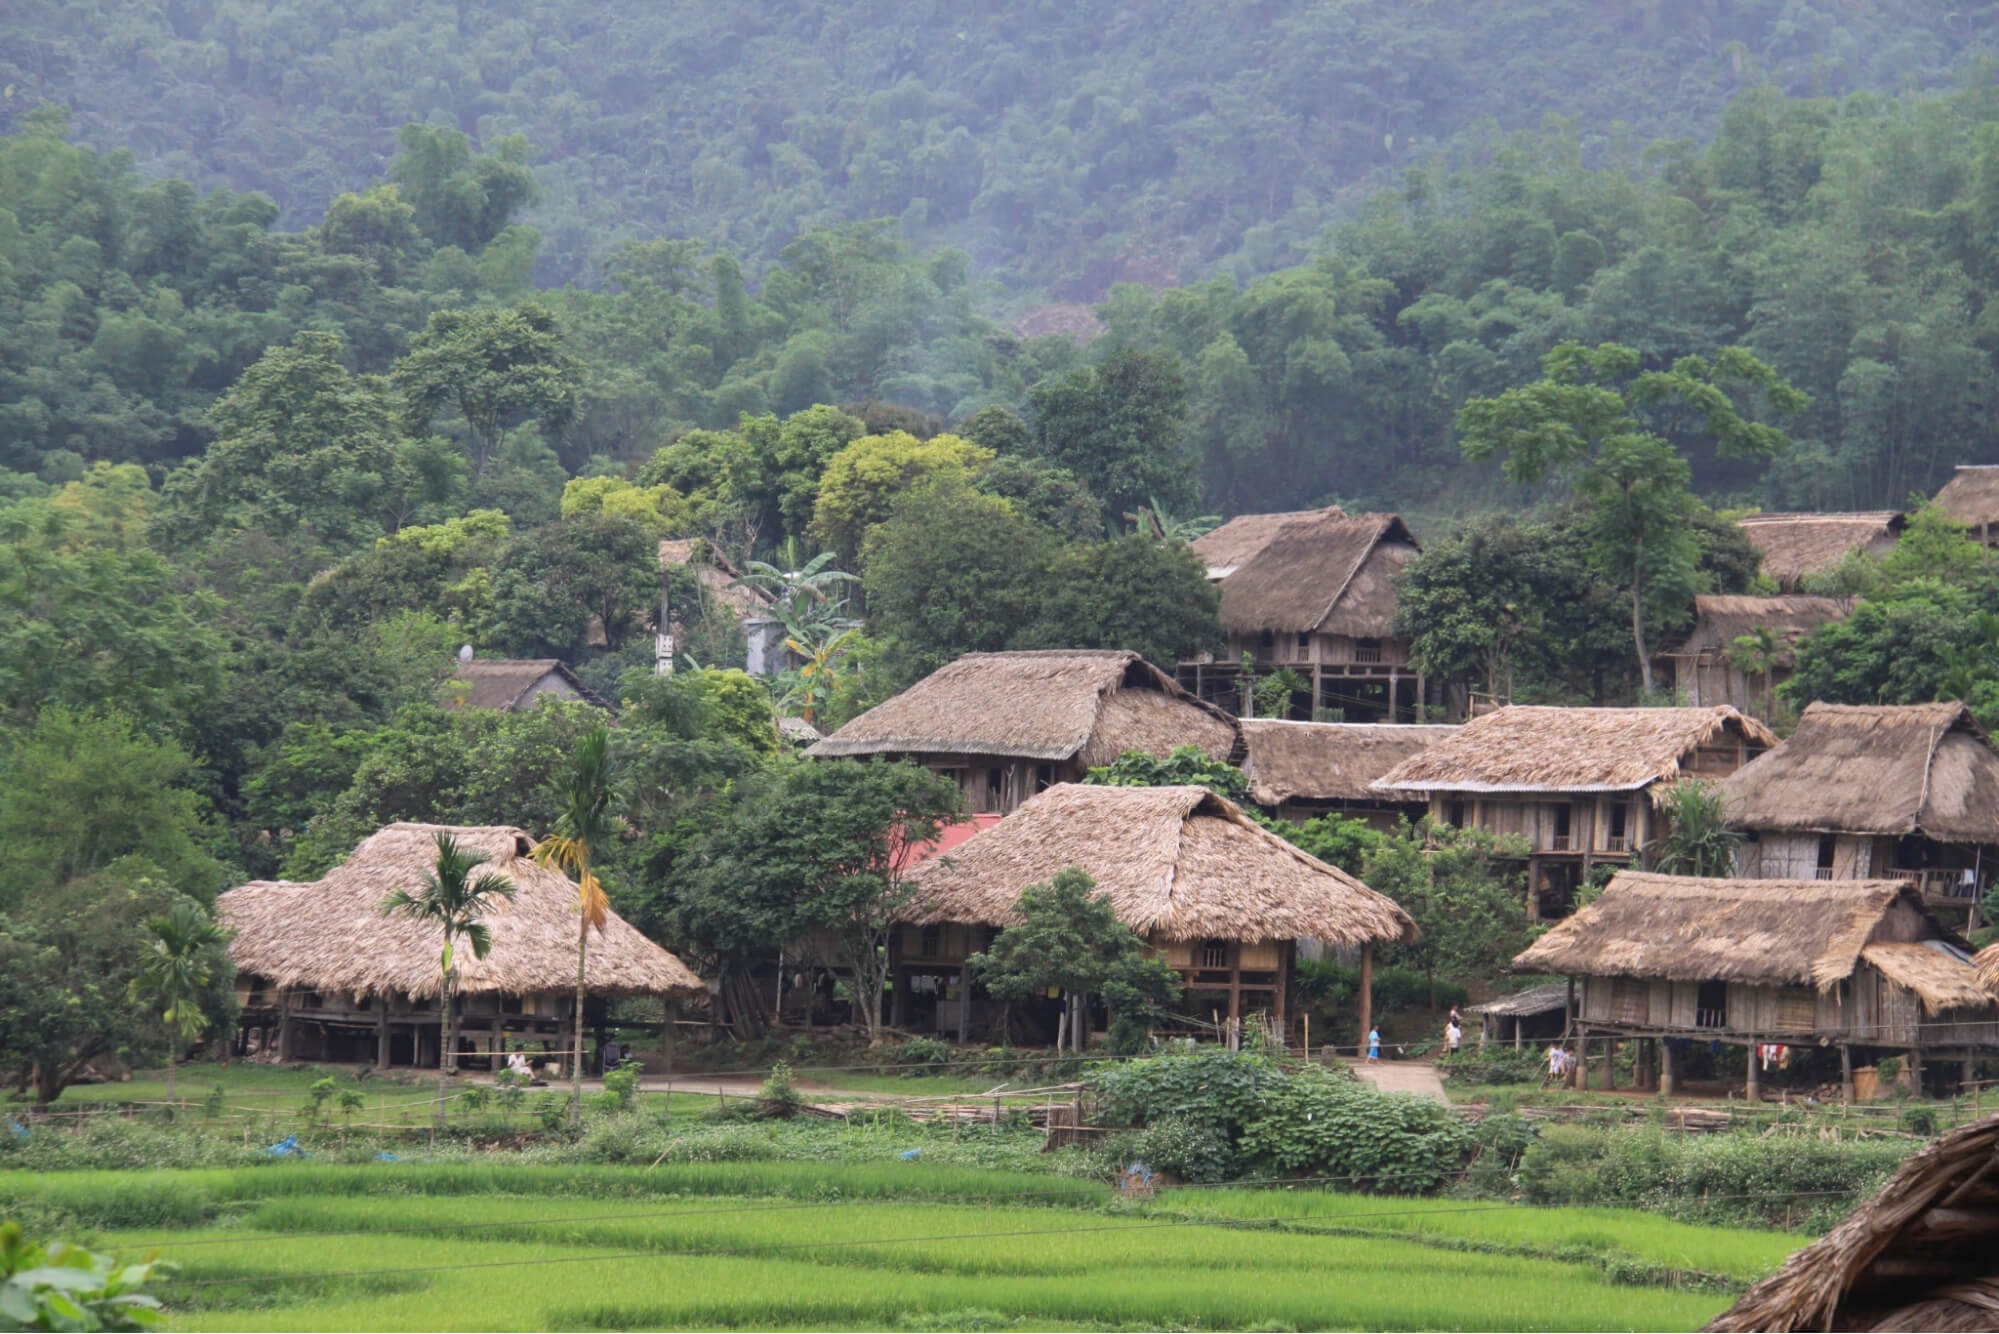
464	653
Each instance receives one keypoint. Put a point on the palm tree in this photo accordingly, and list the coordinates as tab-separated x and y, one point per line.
795	590
1697	840
1152	521
179	961
584	825
455	903
818	679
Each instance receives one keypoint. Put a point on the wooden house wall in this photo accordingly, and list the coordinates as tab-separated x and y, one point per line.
1872	1009
1536	820
1285	650
999	783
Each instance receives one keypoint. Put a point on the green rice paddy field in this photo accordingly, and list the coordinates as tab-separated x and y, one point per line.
301	1246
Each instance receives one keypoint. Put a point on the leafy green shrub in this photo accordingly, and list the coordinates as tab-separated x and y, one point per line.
1320	1125
67	1287
1919	1120
474	1097
1735	1179
1190	1150
511	1088
317	1095
1209	1086
550	1112
1494	1065
621	1084
779	1094
921	1054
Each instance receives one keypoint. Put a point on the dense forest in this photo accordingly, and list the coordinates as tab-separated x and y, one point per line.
326	349
1062	146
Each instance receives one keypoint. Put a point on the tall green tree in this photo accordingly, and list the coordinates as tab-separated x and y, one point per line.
1463	888
183	952
453	901
583	830
1069	937
813	848
1598	420
1120	427
496	368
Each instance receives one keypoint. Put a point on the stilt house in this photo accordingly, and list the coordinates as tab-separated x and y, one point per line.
1971	497
1713	665
1221	899
1313	591
1903	792
1916	1256
1299	770
327	977
1009	725
1796	545
513	684
1858	963
1580	785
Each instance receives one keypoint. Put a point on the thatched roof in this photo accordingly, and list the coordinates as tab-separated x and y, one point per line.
1720	619
1916	1256
1534	1000
1326	761
1531	748
1090	704
716	575
798	732
1874	769
1763	932
1178	863
1972	494
1795	545
508	684
1311	570
1938	973
330	935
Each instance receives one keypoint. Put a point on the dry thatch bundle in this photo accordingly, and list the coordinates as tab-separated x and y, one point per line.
1322	571
1763	932
1090	705
1326	761
1795	545
1721	619
1530	748
1972	494
1874	769
1177	863
512	684
330	936
1916	1256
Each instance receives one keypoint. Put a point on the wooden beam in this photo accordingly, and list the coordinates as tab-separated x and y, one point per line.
1366	992
1846	1072
381	1032
1753	1088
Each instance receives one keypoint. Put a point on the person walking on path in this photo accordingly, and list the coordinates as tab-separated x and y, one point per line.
1373	1044
1454	1033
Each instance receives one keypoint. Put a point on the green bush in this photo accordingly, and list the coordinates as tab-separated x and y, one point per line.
1495	1065
621	1084
1209	1086
921	1055
1919	1120
1736	1179
1319	1125
1190	1150
779	1094
67	1287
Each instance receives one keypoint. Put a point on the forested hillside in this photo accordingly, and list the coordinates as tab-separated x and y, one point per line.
1062	145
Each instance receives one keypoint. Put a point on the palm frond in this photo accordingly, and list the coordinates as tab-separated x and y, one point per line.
479	938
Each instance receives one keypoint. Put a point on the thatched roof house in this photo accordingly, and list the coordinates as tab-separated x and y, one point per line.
1319	571
1874	769
1971	497
1299	768
1531	749
714	574
513	684
1707	669
1220	897
1315	590
1009	724
1916	1256
323	954
1857	962
1795	545
1910	791
330	935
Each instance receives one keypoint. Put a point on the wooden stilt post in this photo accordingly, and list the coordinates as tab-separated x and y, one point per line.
1669	1077
1916	1072
1366	993
1845	1073
1753	1087
671	1033
382	1032
964	1003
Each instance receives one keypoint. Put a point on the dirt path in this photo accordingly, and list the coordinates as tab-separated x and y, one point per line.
1417	1077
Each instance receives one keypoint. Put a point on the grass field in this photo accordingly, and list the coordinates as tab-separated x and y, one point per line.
886	1245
